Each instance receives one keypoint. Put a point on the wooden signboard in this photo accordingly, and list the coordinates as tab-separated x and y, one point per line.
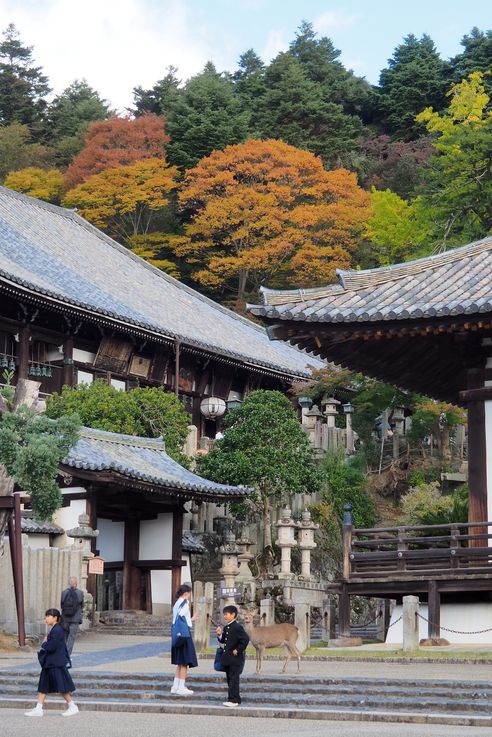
96	565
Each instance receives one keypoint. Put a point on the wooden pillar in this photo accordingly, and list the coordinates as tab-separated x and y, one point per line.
344	612
15	540
434	610
176	366
91	511
23	364
177	550
131	574
347	529
67	376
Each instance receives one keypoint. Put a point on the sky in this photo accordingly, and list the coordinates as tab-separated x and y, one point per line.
117	45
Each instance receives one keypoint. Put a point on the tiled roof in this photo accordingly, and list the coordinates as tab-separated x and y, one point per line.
457	282
145	460
33	526
192	544
53	252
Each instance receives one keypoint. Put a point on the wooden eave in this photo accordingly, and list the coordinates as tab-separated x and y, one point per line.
429	355
128	328
115	479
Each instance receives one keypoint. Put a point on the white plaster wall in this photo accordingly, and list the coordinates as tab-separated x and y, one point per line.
68	517
111	540
156	537
465	617
162	595
36	542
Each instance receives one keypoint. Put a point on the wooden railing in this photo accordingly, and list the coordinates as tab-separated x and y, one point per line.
408	551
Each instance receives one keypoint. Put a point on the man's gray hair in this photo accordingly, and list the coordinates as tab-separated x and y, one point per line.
72	581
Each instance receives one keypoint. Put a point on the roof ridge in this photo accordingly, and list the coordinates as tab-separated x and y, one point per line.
358	279
121	439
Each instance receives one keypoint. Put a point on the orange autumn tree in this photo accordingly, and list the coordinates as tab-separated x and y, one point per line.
124	200
266	211
118	141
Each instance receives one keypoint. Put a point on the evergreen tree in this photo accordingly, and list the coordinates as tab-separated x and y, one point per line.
475	57
161	99
320	60
207	117
69	115
23	88
249	80
295	110
18	151
416	77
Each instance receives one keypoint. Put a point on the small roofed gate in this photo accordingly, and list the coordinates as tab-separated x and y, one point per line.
134	494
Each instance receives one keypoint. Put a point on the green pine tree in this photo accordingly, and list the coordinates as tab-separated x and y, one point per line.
23	87
416	78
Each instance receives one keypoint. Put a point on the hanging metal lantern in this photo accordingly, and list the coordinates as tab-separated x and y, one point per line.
4	361
212	407
12	365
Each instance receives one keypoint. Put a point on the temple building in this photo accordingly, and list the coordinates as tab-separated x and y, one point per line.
426	326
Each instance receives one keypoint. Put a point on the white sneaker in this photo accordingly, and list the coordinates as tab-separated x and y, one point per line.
36	712
230	703
174	689
183	691
71	709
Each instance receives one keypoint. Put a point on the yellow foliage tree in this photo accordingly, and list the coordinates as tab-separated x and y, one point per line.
264	210
123	200
43	184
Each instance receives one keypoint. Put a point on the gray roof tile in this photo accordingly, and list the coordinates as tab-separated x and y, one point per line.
451	283
54	252
143	459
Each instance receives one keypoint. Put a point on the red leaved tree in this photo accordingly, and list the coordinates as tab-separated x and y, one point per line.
118	141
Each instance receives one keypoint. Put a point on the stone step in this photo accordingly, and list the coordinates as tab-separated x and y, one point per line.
274	692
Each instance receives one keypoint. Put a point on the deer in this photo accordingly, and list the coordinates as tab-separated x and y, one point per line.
274	635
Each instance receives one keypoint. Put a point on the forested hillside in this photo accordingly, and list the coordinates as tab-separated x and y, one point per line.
272	173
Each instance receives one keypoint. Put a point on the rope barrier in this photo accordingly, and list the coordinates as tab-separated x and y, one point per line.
395	622
456	632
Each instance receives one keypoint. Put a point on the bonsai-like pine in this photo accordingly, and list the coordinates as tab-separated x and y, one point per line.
31	448
264	447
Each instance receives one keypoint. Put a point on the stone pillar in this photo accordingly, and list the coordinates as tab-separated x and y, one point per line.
229	570
286	541
203	599
328	614
82	539
305	540
267	612
410	623
302	618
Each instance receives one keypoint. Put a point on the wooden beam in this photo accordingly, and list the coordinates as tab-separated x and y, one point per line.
434	610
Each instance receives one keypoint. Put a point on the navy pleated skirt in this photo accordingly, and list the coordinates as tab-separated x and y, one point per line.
55	680
185	654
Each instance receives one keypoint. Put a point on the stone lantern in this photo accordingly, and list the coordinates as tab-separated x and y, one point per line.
306	542
312	422
229	569
286	541
82	536
244	558
330	411
305	403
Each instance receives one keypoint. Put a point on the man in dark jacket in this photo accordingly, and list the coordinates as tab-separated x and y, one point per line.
235	641
71	605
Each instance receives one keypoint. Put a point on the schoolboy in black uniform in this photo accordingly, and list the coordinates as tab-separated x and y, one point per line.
235	641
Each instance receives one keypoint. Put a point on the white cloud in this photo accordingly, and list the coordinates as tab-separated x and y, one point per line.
115	44
334	20
275	43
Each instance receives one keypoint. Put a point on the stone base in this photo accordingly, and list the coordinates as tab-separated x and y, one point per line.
434	642
346	642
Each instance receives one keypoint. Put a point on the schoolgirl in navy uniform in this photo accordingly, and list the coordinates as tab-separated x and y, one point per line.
184	656
54	677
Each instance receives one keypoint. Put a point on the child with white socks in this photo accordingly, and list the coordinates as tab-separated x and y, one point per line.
183	656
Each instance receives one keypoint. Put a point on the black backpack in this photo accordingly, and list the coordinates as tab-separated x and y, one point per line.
70	603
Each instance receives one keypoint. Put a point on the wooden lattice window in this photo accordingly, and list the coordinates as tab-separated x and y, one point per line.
113	355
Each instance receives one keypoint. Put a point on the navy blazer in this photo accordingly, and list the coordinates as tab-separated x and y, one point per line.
233	637
56	648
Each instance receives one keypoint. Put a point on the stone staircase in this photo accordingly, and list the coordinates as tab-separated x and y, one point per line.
362	699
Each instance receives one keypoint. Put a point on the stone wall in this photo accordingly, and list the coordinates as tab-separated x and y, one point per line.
46	571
